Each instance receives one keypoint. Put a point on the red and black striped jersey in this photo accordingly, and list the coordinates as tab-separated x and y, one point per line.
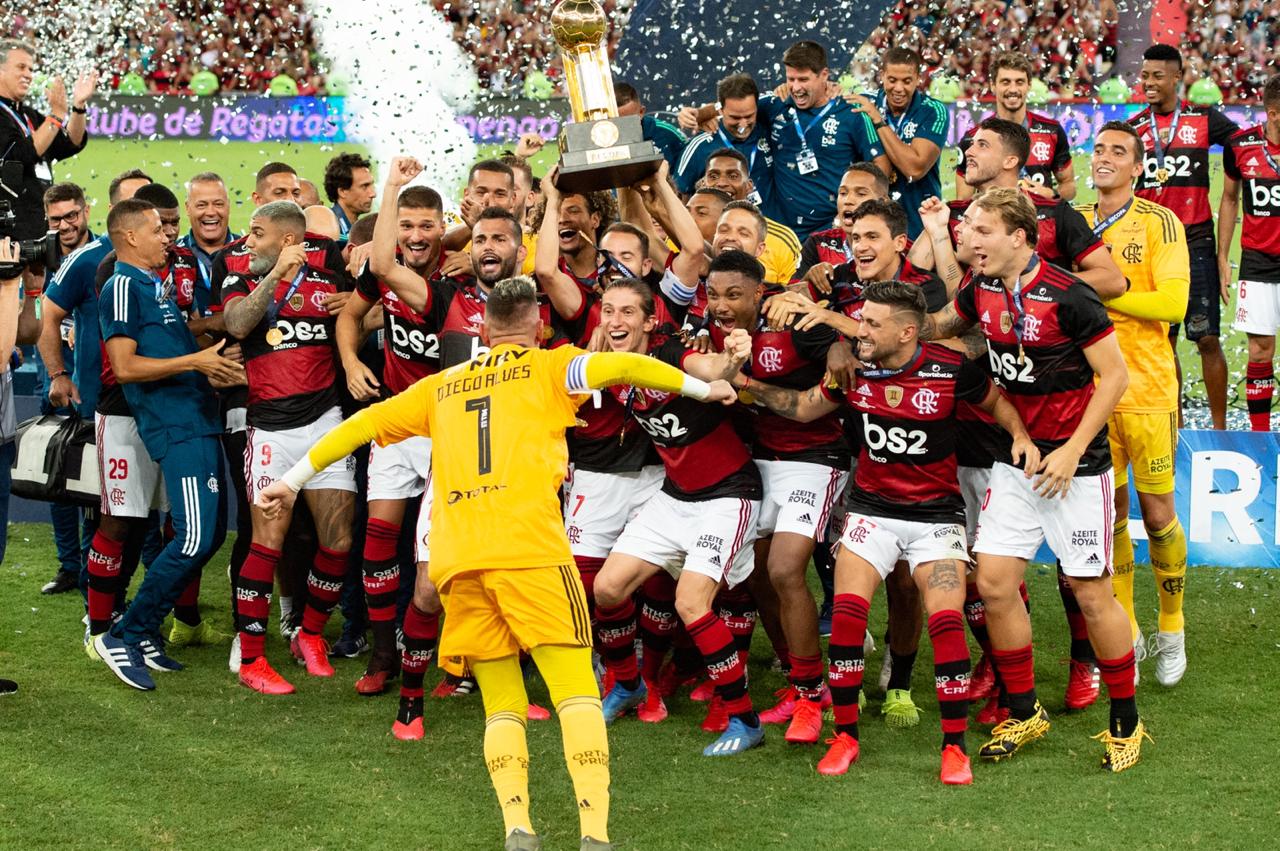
796	360
1251	160
1065	238
293	379
1035	350
702	454
907	461
1185	189
823	246
1050	150
411	347
846	288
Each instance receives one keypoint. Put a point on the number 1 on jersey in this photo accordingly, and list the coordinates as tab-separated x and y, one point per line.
484	449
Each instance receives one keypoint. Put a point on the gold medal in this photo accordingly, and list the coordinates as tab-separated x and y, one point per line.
274	337
1162	175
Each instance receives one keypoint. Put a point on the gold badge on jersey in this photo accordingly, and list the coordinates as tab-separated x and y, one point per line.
274	337
893	395
1006	322
296	301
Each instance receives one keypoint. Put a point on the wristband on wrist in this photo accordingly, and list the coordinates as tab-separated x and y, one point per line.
299	474
746	382
878	124
33	293
80	110
59	374
695	388
54	121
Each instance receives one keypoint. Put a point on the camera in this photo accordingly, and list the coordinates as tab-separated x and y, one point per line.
43	251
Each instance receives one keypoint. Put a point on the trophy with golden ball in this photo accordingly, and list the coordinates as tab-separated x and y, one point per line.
598	149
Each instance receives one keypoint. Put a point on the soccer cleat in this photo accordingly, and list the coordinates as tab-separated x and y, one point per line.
125	661
717	717
350	646
1082	685
653	710
886	671
379	671
781	712
670	679
993	713
62	582
622	700
1122	752
590	843
1171	657
537	713
262	678
454	686
737	738
91	649
842	754
520	839
289	629
312	651
155	657
703	692
8	687
955	767
1012	735
408	723
233	660
607	681
185	635
806	723
983	680
899	710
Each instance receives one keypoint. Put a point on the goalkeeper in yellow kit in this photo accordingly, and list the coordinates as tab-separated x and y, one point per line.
499	554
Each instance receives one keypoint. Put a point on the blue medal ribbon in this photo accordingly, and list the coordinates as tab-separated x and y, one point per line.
751	160
273	312
1101	227
24	123
1019	313
1156	147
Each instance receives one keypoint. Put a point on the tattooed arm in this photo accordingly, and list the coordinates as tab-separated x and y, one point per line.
801	405
944	324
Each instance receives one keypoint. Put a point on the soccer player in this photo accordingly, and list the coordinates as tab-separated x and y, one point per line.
502	560
280	311
209	213
826	249
348	184
406	246
910	128
664	135
157	360
739	127
1177	135
814	138
1052	348
728	171
905	503
1251	160
1149	244
1049	162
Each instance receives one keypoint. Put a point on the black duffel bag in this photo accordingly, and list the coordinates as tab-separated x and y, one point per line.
56	460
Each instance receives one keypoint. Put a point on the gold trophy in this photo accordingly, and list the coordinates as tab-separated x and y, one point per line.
598	149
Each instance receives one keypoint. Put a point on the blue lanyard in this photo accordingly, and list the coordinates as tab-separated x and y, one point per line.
882	104
803	132
273	312
1266	153
1156	147
163	287
751	163
1019	314
881	372
344	224
1101	227
24	123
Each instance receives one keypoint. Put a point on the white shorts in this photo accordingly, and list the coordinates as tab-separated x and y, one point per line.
132	484
399	470
973	488
598	506
422	544
798	497
268	455
1258	308
711	537
1078	527
884	541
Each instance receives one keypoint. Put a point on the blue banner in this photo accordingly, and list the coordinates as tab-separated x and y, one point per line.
1226	496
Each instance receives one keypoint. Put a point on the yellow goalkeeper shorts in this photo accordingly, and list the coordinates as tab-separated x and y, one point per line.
1147	442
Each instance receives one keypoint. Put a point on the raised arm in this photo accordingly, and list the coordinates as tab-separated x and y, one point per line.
936	217
563	291
404	282
664	205
242	315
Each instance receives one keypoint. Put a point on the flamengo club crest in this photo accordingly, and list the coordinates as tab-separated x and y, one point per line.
893	395
925	401
1187	134
1040	150
770	359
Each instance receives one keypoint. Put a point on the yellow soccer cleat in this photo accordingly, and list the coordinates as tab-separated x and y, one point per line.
185	635
1009	737
1122	751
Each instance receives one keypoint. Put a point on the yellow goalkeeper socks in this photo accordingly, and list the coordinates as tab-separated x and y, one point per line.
506	750
1169	564
1122	577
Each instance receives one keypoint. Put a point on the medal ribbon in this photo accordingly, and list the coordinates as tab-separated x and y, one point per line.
273	312
24	123
803	132
1156	147
1019	314
751	161
881	372
1101	227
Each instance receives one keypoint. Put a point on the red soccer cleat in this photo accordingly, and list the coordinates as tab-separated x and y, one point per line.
452	686
652	710
373	682
703	692
717	720
842	754
670	679
312	651
606	683
955	767
983	680
781	712
806	723
262	678
993	713
1082	685
537	713
410	732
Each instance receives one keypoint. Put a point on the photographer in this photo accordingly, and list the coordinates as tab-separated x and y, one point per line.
31	142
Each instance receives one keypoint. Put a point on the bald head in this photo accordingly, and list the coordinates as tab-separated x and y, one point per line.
323	221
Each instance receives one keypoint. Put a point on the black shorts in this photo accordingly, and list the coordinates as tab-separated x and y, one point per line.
1204	307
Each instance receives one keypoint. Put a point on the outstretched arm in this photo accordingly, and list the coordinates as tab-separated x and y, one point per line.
801	405
606	369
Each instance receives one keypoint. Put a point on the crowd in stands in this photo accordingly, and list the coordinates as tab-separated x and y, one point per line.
1236	42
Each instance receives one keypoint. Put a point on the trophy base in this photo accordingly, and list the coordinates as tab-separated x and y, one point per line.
605	154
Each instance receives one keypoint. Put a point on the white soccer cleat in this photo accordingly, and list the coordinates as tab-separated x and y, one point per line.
1171	657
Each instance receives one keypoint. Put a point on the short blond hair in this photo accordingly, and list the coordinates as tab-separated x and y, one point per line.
1014	209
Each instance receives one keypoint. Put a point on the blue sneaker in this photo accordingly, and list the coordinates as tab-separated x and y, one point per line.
154	656
349	646
124	660
622	700
738	738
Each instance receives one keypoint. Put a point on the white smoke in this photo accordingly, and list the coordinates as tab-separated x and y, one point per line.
408	81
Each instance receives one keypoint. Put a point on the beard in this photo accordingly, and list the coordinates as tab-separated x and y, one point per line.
506	269
262	264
